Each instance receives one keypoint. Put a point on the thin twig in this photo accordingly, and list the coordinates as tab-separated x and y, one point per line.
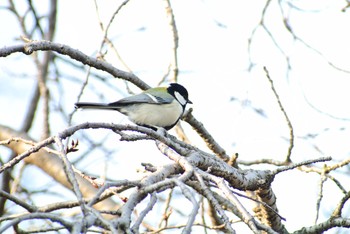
289	123
208	194
295	165
149	207
320	196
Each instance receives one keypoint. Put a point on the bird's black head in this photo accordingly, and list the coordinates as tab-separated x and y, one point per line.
180	93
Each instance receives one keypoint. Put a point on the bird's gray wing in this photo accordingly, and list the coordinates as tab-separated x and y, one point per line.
144	98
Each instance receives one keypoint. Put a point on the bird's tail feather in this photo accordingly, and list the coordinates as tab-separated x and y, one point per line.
92	105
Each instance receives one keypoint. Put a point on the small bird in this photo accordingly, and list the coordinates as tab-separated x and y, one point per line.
155	107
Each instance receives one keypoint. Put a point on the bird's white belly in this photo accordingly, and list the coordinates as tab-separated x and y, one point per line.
155	115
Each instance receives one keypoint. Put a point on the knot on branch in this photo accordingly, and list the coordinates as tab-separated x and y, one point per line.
28	49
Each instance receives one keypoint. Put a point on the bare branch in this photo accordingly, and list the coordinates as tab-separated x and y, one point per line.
338	210
192	173
173	67
167	210
187	193
30	47
51	164
209	195
143	214
246	217
70	173
320	196
324	226
53	217
268	215
295	165
289	123
206	136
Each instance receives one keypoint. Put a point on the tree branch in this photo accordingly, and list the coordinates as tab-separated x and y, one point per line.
30	47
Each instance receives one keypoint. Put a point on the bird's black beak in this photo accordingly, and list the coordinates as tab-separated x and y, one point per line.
188	101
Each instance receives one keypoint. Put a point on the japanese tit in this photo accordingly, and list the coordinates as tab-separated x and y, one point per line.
155	107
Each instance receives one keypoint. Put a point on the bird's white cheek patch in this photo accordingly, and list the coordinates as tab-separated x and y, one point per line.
180	98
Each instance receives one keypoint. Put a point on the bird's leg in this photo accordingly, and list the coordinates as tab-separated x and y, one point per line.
161	131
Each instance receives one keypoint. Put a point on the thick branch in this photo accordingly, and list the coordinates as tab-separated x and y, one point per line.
29	48
51	165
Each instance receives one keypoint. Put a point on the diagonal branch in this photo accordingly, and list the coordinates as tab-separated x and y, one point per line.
30	47
49	163
289	123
